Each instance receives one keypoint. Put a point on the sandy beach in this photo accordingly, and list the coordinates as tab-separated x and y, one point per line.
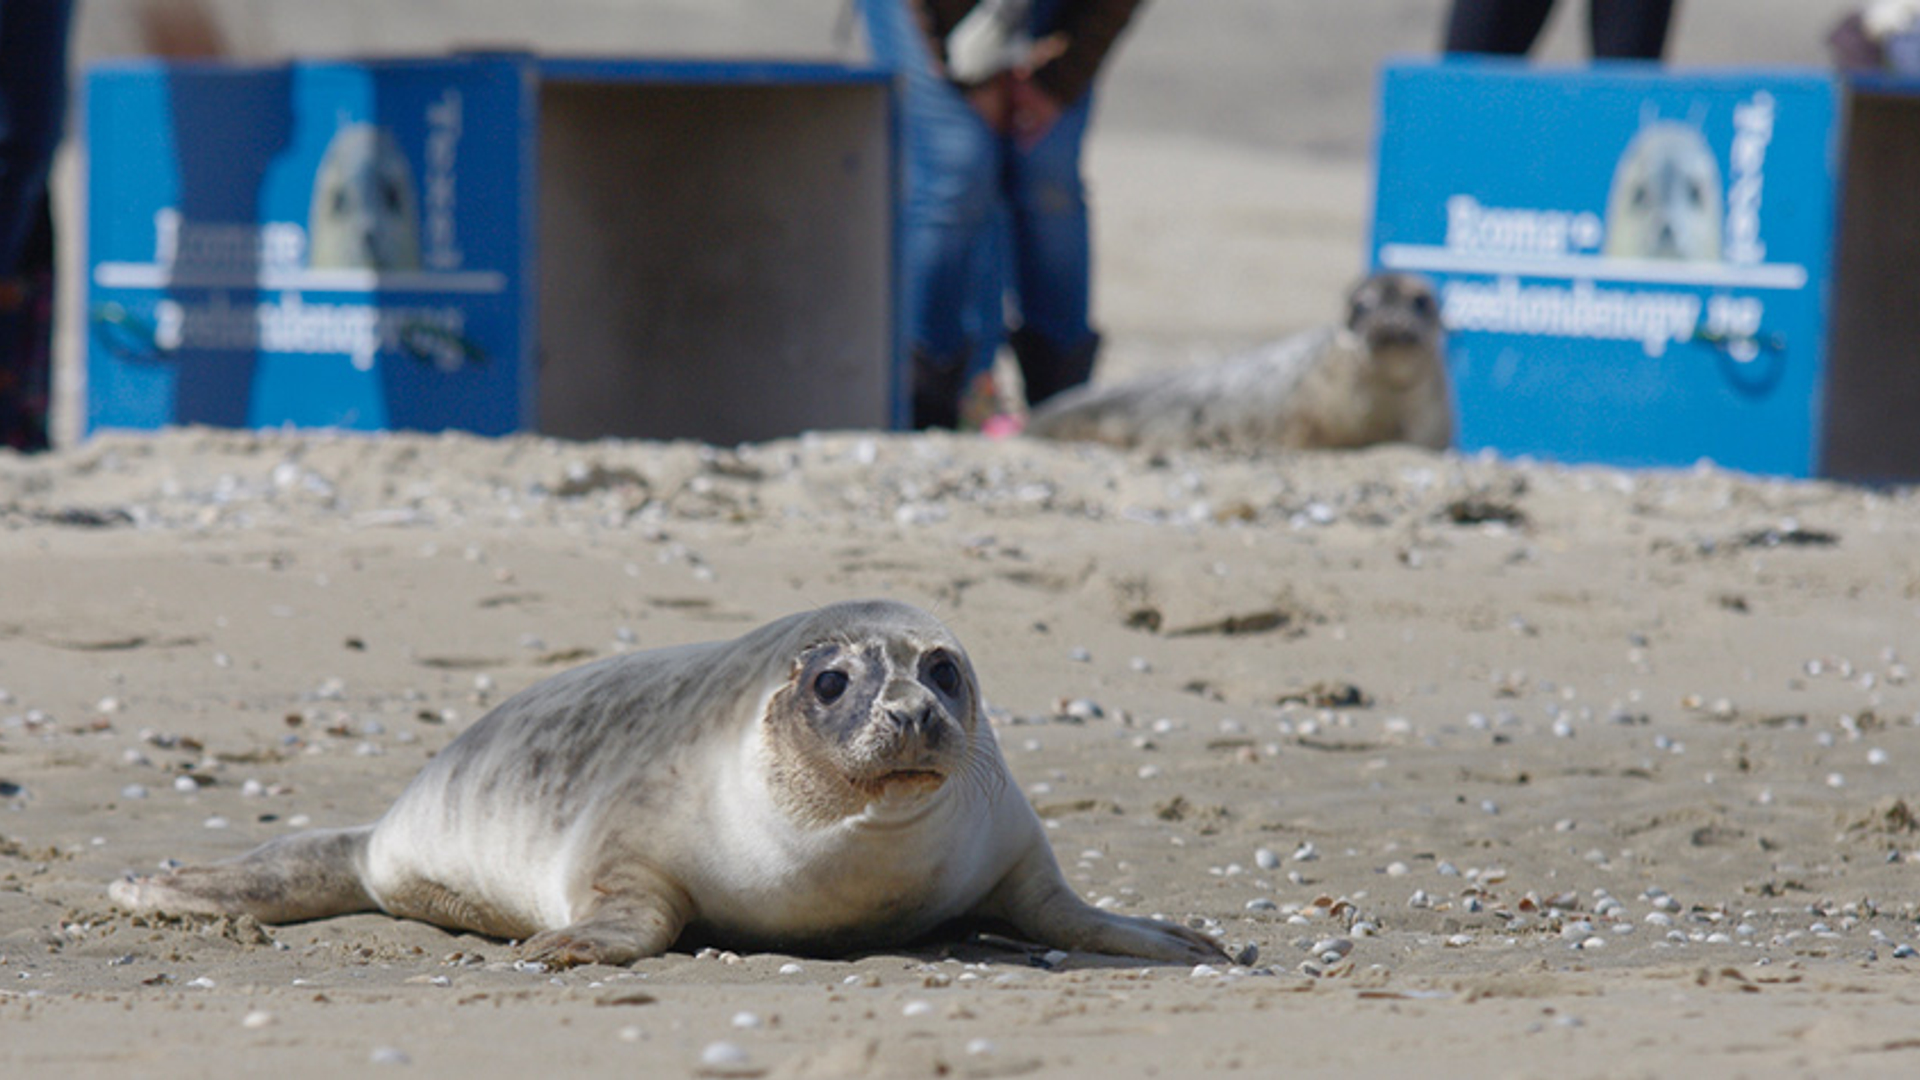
1499	768
1479	767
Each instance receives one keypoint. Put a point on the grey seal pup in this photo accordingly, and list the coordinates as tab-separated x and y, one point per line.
1379	377
826	783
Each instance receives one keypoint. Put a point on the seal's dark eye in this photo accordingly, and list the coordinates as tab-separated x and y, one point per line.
945	675
830	685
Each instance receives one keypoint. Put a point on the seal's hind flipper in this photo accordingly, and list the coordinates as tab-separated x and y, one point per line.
308	875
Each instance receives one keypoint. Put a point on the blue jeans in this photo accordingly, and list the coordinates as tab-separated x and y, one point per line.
981	209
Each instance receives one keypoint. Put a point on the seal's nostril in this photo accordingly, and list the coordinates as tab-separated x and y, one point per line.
922	723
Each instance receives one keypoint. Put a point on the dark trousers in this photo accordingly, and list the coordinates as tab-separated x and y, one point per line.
1617	29
33	103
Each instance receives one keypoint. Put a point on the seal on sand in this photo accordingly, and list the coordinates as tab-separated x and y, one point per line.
1379	378
825	783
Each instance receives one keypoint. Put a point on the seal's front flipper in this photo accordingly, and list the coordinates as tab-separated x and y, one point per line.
630	915
617	932
1076	926
1092	930
308	875
1035	900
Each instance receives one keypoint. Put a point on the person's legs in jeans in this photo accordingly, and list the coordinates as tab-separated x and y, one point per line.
953	169
1055	342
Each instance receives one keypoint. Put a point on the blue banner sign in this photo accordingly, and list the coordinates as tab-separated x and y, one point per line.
1633	264
316	244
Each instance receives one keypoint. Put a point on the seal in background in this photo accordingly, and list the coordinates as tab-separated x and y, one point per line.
1379	378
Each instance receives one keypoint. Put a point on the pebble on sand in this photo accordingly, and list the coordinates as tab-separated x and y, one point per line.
723	1054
